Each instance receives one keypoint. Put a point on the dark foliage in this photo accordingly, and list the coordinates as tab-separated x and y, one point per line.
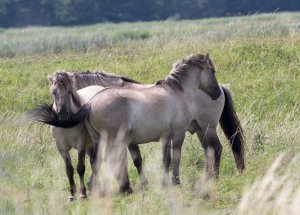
15	13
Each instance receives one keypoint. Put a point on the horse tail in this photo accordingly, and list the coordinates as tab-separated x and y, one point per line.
45	113
232	129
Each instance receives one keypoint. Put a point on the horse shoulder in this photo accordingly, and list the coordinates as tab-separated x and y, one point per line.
108	108
207	111
180	110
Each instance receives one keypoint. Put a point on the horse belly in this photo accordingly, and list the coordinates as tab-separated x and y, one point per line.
144	136
143	131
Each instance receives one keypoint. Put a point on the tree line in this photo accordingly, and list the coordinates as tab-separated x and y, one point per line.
16	13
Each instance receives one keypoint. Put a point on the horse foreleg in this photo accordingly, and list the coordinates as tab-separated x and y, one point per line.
135	153
94	150
176	148
213	150
70	174
95	160
166	145
81	171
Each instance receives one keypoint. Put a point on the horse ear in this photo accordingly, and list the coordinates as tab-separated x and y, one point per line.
50	79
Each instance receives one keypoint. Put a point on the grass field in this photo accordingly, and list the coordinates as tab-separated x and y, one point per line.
259	56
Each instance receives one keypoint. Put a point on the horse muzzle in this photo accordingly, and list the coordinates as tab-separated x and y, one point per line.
215	93
63	115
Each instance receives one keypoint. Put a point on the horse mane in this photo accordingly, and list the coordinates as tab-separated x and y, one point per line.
178	73
84	79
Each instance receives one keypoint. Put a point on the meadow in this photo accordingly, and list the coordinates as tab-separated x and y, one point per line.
258	56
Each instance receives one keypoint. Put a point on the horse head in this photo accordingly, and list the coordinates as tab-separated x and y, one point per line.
66	99
208	81
194	71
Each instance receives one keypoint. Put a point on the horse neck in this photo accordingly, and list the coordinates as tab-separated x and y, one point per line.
86	80
190	85
76	101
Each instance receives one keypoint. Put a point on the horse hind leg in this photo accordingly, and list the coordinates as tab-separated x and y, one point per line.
176	148
135	153
166	145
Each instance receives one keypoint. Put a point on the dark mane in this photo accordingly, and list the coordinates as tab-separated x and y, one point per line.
178	72
84	79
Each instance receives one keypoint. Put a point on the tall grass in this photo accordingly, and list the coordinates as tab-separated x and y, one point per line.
16	42
277	192
257	55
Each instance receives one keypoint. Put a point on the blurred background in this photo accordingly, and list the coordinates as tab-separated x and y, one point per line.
18	13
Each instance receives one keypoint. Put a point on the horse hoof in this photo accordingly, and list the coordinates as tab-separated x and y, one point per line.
83	197
71	198
175	181
126	192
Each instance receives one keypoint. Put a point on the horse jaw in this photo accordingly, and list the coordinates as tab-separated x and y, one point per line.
209	84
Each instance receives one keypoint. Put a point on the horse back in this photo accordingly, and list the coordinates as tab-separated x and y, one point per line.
143	113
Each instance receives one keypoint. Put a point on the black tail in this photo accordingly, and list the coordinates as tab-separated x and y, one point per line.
233	130
46	114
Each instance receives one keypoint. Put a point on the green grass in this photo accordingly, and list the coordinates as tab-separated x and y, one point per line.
257	55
